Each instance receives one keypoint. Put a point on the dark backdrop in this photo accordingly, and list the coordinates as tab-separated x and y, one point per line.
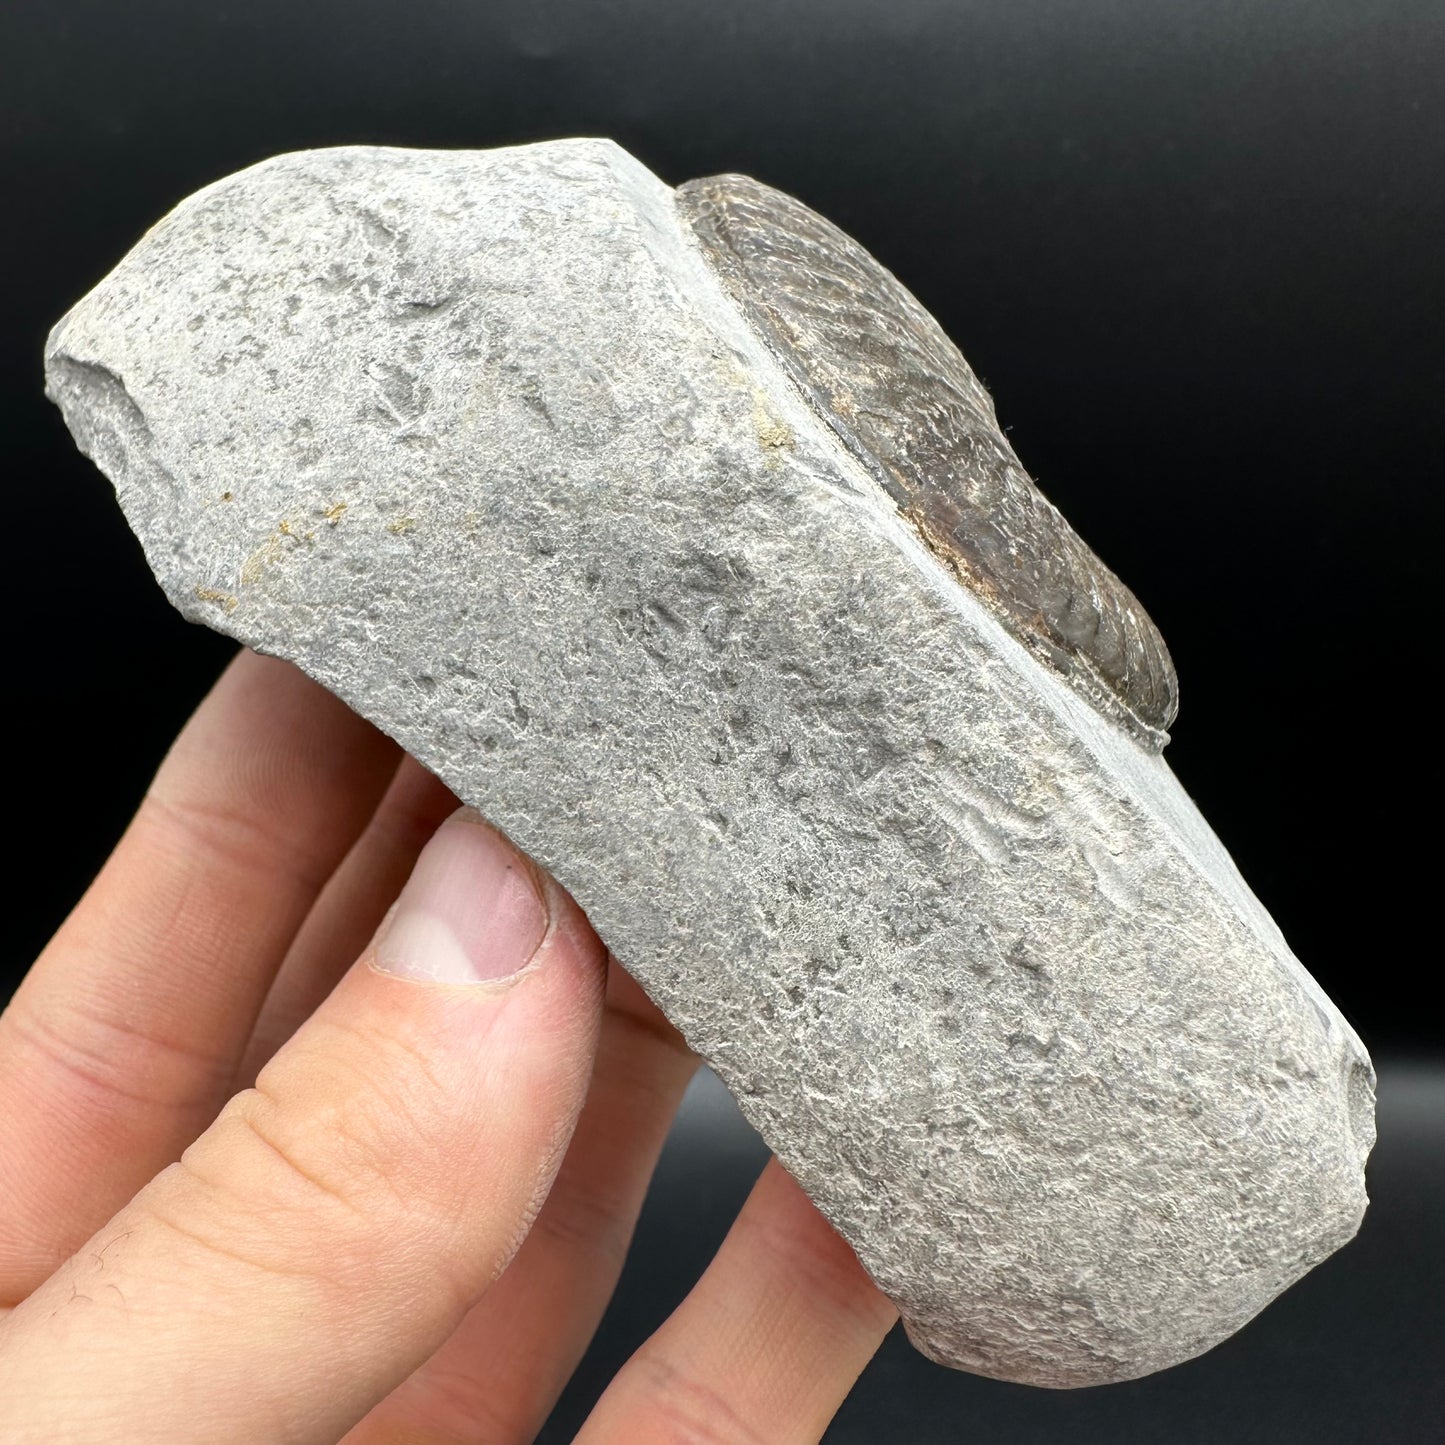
1195	249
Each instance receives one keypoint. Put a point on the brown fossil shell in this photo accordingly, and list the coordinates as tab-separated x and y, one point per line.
898	393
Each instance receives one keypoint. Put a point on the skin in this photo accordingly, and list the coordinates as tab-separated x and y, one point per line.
261	1186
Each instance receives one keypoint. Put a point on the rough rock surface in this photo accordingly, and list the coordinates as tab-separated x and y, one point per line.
481	442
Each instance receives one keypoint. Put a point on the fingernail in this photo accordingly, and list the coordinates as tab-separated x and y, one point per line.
471	911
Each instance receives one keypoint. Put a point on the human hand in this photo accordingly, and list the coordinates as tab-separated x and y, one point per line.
408	1225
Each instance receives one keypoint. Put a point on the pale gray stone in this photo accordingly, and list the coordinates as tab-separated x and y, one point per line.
480	441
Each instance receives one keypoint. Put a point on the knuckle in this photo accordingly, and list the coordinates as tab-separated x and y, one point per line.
591	1222
685	1409
260	1194
116	1066
342	1153
316	1160
460	1405
311	1195
335	1169
230	830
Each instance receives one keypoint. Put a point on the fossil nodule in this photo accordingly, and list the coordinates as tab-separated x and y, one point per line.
673	534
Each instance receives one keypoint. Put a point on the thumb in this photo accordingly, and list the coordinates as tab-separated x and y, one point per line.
329	1230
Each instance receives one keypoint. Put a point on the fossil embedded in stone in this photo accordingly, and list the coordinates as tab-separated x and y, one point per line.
900	396
624	513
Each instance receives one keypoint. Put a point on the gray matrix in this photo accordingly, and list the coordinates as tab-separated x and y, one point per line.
765	645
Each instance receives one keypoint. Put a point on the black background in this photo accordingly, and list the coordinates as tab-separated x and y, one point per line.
1194	248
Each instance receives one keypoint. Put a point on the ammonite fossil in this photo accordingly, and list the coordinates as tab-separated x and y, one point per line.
879	369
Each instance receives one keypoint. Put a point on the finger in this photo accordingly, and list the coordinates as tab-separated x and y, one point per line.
349	909
497	1378
333	1226
124	1038
766	1346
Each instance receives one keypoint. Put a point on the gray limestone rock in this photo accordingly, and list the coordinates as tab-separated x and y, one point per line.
548	472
